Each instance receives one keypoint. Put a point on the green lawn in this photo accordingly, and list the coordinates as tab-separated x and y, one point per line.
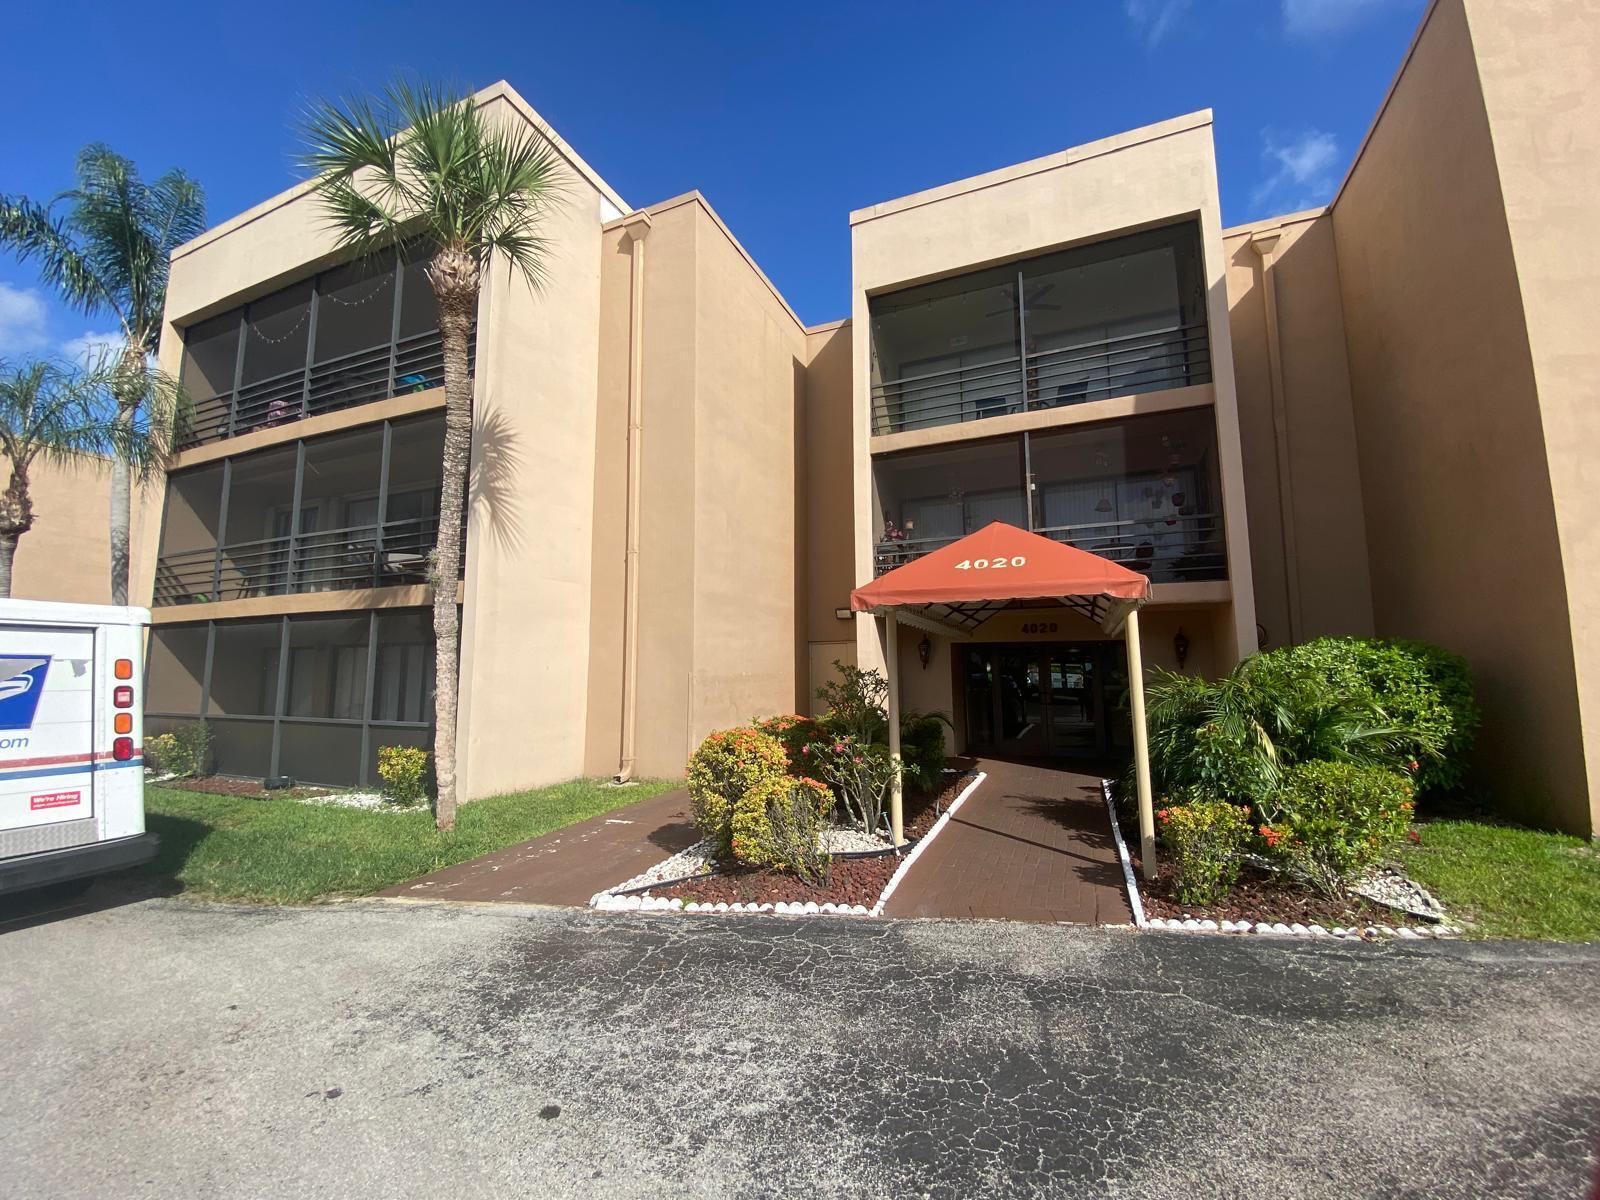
1510	882
285	852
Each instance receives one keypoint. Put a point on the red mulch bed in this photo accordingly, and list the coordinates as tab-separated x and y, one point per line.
1259	896
850	880
221	785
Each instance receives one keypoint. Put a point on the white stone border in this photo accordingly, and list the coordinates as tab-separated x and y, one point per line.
1275	929
1279	929
1134	902
606	902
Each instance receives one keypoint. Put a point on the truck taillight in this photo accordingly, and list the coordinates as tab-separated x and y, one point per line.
124	723
122	749
124	668
122	696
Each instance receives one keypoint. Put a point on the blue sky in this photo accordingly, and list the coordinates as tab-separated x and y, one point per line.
786	116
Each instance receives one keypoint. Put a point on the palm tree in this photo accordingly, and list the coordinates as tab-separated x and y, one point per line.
423	171
61	416
108	255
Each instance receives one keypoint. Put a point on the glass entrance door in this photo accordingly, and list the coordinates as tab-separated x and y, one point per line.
1036	701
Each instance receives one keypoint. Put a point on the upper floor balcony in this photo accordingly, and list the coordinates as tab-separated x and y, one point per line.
1143	492
357	333
1109	319
358	509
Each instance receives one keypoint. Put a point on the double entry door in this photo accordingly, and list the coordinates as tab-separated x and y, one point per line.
1039	700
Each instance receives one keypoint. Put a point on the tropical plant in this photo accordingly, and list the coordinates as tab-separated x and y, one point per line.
58	415
1206	839
424	171
727	765
185	750
922	748
857	703
859	772
1424	692
1331	819
1233	738
107	254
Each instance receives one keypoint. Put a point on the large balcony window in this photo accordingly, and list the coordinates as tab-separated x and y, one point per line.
311	697
360	332
354	509
1122	316
1143	492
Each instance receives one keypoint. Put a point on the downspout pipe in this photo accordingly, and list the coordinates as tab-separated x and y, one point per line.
637	230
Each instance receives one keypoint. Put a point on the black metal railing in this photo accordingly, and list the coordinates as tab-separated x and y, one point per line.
1178	356
412	364
326	560
1173	549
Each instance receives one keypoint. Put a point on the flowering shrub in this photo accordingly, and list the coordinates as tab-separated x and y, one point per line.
1329	820
778	822
184	751
1205	838
857	703
859	772
794	733
404	771
726	766
161	753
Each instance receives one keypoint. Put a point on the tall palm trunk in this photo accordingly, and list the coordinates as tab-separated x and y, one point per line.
454	276
128	389
16	518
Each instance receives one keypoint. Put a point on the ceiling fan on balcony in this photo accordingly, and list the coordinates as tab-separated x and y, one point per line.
1030	301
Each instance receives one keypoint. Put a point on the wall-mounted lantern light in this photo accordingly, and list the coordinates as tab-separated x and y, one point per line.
924	650
1180	647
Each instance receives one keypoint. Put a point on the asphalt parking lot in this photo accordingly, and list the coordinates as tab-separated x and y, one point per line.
167	1048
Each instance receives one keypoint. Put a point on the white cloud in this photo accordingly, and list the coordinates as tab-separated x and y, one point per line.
1155	18
1311	19
23	317
89	349
1302	171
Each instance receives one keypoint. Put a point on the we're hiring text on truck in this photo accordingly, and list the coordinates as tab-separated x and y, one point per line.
71	722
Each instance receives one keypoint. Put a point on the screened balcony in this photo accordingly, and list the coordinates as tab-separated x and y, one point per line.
361	332
1111	319
311	697
351	510
1143	492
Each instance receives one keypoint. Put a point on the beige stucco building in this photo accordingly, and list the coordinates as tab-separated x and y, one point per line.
1363	419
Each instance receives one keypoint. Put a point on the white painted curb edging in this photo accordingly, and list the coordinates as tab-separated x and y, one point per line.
1134	902
607	902
925	841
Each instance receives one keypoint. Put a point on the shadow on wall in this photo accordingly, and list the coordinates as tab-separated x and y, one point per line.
491	488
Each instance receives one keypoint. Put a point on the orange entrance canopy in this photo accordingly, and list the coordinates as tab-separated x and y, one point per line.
969	580
960	586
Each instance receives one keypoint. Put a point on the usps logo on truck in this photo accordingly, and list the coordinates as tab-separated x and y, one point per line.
21	685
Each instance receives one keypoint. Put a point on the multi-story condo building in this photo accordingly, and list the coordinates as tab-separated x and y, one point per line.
1367	418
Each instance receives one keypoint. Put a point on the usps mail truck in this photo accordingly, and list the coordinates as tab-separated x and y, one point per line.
71	718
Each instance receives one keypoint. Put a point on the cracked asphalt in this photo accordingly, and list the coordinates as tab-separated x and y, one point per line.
167	1048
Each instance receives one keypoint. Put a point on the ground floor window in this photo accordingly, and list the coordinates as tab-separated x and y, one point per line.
308	696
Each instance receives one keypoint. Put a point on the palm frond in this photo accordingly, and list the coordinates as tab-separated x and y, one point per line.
49	412
30	231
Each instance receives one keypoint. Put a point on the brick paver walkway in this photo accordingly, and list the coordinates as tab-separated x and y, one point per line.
569	865
1033	843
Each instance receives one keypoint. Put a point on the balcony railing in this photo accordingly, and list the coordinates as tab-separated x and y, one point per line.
1177	549
398	552
1143	362
412	364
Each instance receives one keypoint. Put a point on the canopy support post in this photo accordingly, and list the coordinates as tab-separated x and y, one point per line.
1141	747
891	629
